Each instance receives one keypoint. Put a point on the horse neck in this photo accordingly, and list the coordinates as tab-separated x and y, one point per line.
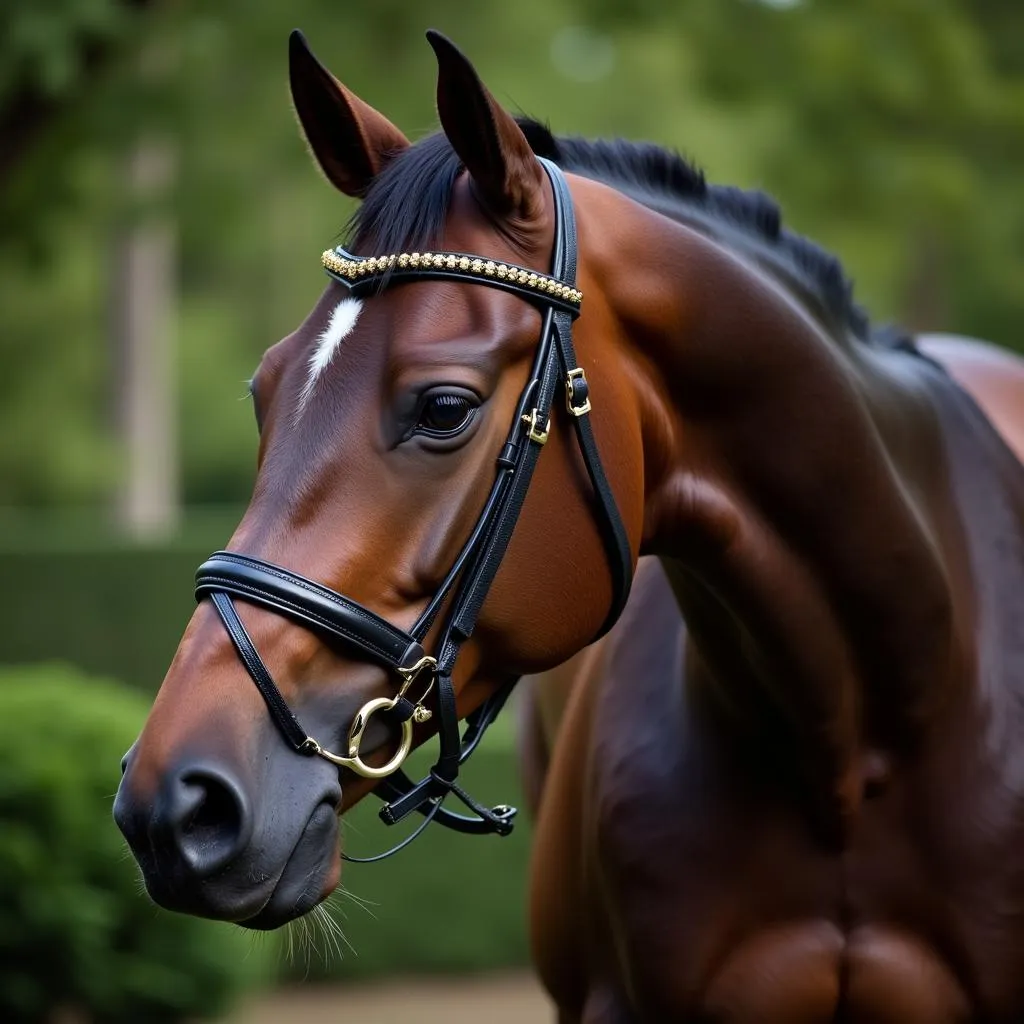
795	492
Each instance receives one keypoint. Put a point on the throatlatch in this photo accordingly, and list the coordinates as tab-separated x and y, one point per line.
229	575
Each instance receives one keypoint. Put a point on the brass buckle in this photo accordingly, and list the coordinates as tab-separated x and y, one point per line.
570	386
535	433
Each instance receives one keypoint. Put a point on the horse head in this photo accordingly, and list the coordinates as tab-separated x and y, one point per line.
396	426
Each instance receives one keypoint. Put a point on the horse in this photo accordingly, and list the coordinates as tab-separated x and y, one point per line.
787	788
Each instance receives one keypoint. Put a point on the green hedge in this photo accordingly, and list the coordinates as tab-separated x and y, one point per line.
77	594
77	935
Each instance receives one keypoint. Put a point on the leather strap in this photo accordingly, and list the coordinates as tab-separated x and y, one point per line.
521	455
401	795
279	710
309	603
609	520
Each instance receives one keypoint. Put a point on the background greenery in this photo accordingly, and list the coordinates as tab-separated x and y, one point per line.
891	131
89	597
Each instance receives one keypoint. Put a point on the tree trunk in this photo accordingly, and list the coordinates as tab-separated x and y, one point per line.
145	286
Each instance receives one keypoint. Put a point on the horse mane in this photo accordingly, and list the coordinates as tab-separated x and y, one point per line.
406	206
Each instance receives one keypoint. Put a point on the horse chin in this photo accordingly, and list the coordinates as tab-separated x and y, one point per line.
309	876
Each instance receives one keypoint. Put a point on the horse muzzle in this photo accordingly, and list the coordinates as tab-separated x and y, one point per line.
212	844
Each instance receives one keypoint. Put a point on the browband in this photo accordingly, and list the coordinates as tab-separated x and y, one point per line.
368	275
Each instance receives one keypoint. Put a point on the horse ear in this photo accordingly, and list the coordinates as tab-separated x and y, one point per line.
486	137
350	140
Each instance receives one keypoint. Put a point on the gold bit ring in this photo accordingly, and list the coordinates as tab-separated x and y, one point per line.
355	736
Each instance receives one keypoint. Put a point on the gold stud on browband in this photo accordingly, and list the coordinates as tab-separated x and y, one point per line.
457	263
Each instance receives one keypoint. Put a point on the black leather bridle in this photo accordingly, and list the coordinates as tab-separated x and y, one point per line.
227	575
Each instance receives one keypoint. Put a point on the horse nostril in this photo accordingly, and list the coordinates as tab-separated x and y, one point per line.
216	811
206	818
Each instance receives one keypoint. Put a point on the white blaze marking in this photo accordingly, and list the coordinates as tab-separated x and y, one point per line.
343	319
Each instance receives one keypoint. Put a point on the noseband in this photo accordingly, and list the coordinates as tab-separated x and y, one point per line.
227	575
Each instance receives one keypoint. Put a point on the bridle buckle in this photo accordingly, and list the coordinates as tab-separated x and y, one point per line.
536	433
577	388
421	713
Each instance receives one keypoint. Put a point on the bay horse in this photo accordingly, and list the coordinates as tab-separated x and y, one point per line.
790	789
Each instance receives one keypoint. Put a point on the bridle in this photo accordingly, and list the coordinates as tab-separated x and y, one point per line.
227	575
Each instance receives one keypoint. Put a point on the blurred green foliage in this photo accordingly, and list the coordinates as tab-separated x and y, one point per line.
44	48
75	935
897	137
891	130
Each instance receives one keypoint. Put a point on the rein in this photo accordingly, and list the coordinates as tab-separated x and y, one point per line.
227	575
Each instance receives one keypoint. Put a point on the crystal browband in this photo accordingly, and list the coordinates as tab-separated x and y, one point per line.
353	271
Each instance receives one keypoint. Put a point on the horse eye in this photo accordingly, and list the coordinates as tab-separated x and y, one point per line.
444	414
